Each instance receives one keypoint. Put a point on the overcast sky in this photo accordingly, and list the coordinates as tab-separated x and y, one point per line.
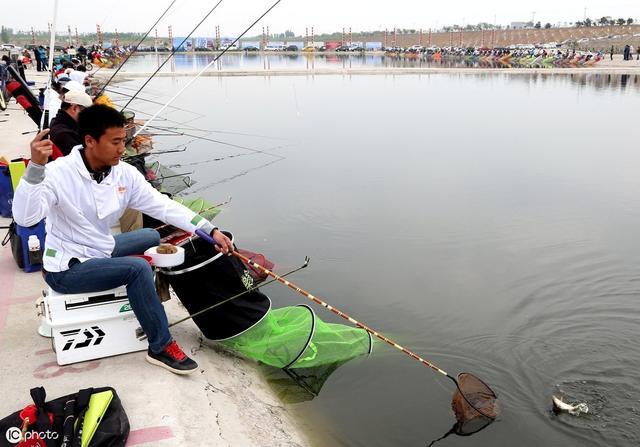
233	16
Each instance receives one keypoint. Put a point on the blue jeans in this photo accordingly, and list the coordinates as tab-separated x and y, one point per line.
96	275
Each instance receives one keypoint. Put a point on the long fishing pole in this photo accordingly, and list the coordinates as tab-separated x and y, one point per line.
135	48
215	59
490	415
201	211
215	159
171	55
185	134
52	50
235	176
242	134
151	101
142	336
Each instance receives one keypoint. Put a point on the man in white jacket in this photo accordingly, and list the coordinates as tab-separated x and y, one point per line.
82	196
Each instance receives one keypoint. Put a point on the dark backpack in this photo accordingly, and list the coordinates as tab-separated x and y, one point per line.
14	240
112	431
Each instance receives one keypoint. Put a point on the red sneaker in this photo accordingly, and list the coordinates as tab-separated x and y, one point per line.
173	359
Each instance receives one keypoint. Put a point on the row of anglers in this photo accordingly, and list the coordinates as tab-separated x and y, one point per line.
95	55
520	57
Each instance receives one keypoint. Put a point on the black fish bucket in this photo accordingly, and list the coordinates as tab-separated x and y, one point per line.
208	277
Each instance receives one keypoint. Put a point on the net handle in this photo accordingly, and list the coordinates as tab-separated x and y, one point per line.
341	314
338	312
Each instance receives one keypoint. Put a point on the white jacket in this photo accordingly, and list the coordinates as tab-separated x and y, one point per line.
80	212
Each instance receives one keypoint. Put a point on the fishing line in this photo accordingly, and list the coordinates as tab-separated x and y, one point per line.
474	391
52	50
258	151
233	177
136	48
243	134
224	157
135	89
151	101
171	55
215	59
185	123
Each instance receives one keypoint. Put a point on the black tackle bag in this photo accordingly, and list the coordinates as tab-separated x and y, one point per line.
15	241
112	431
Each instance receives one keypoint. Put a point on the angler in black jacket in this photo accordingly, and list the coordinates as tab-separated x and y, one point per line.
64	127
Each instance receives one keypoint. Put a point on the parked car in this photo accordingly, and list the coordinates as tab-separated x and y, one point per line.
355	47
291	48
10	47
343	48
274	47
251	48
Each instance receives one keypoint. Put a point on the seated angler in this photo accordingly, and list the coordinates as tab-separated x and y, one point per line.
64	127
82	196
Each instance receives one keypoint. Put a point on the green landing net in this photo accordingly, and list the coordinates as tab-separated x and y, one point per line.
294	337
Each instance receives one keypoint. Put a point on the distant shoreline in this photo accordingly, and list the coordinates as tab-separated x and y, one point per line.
381	71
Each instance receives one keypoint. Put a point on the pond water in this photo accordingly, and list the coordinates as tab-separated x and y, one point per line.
488	222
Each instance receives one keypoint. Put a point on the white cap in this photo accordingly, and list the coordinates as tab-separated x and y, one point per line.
74	85
79	98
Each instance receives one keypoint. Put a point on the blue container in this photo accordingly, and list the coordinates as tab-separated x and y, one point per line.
6	191
32	263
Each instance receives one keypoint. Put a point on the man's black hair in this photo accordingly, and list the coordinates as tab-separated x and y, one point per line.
81	68
95	120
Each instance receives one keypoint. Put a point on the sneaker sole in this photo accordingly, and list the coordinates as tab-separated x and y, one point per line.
181	372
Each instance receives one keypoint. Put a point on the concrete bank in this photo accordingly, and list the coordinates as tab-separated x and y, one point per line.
225	403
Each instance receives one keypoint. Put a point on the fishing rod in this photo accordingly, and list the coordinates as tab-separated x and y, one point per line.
135	48
482	401
142	336
212	160
52	50
235	176
242	134
215	59
209	160
151	101
224	143
185	134
201	211
171	55
185	123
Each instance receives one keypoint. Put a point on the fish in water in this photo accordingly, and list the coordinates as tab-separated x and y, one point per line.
560	406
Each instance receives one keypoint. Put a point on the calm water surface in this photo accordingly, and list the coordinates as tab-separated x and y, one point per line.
298	61
489	222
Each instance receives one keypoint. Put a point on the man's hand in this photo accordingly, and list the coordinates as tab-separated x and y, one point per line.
41	149
223	243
